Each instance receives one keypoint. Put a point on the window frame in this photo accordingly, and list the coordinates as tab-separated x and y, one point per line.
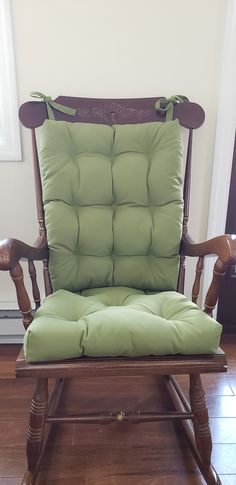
10	142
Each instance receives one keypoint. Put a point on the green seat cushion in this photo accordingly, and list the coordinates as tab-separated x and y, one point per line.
118	322
113	204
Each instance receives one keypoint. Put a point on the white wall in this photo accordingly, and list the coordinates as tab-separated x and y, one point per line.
113	48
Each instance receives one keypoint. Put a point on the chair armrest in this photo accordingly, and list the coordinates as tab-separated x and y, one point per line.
12	250
222	246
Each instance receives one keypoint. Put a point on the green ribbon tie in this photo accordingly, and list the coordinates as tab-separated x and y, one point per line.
50	105
166	105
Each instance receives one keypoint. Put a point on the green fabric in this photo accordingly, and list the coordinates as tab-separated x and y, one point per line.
50	105
113	204
166	105
118	322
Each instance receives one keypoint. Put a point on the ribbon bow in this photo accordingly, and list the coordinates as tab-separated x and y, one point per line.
50	105
166	105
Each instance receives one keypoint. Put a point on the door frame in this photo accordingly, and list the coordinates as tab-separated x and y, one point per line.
224	139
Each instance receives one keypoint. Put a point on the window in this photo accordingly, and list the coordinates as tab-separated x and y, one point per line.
10	146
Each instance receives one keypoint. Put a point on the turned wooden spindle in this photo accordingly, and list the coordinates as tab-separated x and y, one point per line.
35	288
187	181
213	292
186	194
202	427
197	281
181	279
22	295
47	279
40	210
38	185
39	407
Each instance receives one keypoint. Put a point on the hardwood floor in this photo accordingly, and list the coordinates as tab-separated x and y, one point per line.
146	454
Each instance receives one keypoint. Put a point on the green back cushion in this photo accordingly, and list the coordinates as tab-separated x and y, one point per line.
113	204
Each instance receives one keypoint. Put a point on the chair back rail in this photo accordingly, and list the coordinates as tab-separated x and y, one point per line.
32	115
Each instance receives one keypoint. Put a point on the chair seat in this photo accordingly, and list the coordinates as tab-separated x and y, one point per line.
118	321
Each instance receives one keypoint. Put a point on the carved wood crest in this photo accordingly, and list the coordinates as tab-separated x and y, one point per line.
114	113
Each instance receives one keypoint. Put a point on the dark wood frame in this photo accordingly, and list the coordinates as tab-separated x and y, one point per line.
192	414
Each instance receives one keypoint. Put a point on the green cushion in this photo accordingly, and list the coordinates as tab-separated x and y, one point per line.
118	322
113	204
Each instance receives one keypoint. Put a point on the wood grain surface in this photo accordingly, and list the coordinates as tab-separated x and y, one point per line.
147	454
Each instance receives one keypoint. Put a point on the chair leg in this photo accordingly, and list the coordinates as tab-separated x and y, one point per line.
202	428
36	427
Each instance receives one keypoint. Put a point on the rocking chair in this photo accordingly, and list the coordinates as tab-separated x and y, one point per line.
113	207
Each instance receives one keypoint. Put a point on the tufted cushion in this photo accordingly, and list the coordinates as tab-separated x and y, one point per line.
113	204
118	322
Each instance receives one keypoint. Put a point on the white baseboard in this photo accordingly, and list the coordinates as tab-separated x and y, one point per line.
11	331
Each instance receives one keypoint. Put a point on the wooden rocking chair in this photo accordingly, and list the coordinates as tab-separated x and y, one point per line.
108	253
